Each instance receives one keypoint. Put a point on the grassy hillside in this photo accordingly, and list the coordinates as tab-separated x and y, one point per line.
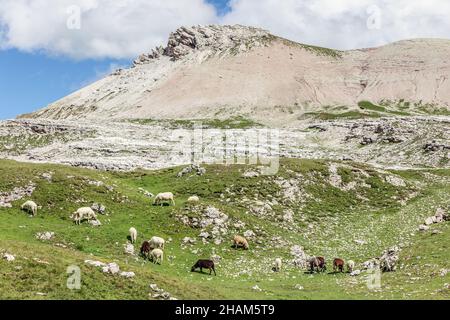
322	206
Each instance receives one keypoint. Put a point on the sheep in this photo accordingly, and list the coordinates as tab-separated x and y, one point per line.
317	264
322	264
338	264
145	249
83	214
157	256
133	235
239	241
193	199
164	197
350	266
157	243
278	263
313	264
30	207
204	264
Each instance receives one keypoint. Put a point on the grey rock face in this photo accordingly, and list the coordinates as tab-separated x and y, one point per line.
214	38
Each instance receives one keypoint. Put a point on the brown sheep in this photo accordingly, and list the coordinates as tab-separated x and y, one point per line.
338	264
239	241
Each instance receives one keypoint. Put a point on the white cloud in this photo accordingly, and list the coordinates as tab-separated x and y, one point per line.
109	28
343	24
126	28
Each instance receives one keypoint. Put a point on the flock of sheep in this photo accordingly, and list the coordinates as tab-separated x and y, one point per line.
319	264
154	248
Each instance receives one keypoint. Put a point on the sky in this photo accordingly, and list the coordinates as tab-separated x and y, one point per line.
49	48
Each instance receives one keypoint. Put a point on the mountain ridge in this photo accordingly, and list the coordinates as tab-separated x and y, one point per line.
226	71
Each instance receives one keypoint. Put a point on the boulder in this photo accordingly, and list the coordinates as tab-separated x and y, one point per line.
429	221
44	235
95	263
129	249
194	169
99	208
367	140
112	268
249	234
300	259
355	273
388	261
9	257
95	223
127	274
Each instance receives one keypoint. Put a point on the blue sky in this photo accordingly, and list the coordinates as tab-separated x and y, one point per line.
29	81
49	48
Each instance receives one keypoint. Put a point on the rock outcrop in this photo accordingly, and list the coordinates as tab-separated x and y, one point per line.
214	39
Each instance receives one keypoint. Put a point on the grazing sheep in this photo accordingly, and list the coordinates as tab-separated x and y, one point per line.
193	199
165	197
338	264
317	264
350	265
133	235
30	207
313	264
239	241
83	214
204	264
157	243
322	264
278	263
157	256
145	249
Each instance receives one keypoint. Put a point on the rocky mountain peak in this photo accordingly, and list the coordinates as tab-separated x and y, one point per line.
214	38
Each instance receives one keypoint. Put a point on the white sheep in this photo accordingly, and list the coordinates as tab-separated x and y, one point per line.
350	265
161	198
30	207
83	214
133	235
193	199
157	243
157	256
278	263
239	241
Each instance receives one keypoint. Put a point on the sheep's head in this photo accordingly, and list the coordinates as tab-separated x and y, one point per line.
75	216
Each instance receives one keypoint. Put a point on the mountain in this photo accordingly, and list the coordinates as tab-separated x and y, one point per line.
209	72
361	171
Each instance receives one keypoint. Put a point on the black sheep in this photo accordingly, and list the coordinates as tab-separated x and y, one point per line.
204	264
145	249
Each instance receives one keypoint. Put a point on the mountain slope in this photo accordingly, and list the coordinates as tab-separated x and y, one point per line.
223	71
326	207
